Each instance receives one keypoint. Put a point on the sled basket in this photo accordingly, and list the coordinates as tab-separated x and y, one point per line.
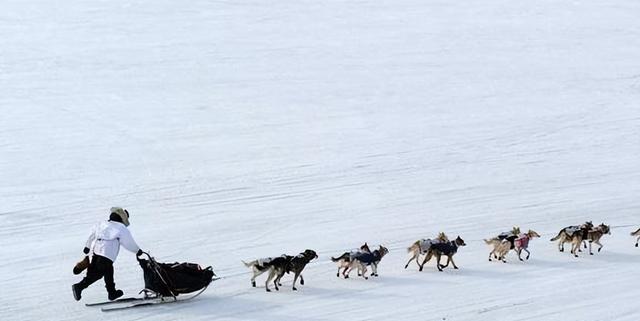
172	279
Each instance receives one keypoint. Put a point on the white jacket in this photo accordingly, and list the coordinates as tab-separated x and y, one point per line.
106	238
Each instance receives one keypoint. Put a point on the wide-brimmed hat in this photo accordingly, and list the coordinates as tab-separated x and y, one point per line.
122	213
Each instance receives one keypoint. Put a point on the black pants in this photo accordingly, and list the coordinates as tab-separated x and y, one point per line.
99	267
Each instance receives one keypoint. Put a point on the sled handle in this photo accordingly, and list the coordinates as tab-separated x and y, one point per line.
139	258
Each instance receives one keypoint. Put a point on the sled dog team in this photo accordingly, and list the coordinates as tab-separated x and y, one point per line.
423	250
107	237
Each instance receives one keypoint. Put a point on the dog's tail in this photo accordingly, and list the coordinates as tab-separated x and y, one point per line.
344	256
256	265
635	233
488	242
557	236
414	246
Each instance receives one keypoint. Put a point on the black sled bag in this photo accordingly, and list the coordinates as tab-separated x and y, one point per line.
171	279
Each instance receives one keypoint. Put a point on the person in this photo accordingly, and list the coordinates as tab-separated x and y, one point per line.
105	241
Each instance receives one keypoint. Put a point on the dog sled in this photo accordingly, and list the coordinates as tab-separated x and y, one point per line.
165	283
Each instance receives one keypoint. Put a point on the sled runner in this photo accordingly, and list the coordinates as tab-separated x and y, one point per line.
163	283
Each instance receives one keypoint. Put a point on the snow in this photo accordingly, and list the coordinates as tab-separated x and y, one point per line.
234	130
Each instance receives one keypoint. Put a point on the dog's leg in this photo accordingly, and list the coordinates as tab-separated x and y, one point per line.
411	259
528	253
256	273
600	245
590	252
271	276
574	248
374	269
278	278
637	240
348	269
301	279
452	262
364	271
491	253
438	255
295	278
448	260
253	279
276	281
344	272
426	259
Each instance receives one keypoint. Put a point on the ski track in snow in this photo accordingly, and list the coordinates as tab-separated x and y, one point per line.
234	130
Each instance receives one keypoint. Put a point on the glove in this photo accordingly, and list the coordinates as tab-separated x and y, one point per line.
139	252
86	250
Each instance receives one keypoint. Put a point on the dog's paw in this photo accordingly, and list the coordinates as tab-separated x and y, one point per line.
268	290
301	282
295	289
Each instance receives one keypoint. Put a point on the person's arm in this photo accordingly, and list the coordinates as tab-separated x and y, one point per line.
127	241
92	237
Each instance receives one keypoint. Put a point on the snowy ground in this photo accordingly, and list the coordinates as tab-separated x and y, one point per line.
239	129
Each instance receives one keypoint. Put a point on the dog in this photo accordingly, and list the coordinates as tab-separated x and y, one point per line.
510	236
297	264
421	247
500	248
260	266
522	243
344	260
594	235
566	234
288	264
362	260
448	249
636	233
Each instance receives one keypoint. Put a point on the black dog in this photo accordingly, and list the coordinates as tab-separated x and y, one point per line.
277	267
362	260
286	264
297	264
449	249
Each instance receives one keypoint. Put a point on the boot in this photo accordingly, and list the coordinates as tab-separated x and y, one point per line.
115	294
77	291
81	266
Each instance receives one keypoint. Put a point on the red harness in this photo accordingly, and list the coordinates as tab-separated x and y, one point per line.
522	242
